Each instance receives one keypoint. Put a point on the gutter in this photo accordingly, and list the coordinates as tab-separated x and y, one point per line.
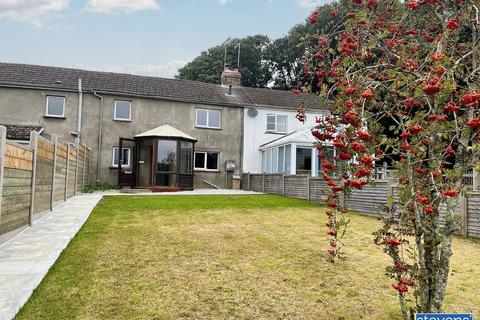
100	138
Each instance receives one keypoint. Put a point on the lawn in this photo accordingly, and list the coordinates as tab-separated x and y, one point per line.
227	257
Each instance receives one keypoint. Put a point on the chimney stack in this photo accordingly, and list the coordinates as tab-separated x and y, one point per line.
231	77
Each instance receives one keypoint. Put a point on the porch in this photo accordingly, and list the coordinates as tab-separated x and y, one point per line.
160	159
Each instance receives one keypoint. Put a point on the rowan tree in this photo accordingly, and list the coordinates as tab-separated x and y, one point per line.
401	81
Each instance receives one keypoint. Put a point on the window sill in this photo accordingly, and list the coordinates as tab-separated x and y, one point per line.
122	120
273	132
205	170
54	117
209	128
115	167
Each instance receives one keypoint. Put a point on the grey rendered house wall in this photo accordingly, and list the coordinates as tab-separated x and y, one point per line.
28	106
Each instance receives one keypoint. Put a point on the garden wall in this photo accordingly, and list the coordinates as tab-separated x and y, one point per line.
36	177
366	201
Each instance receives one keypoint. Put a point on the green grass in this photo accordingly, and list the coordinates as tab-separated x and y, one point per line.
227	257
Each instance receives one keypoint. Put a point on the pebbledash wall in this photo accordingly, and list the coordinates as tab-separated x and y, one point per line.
366	201
35	178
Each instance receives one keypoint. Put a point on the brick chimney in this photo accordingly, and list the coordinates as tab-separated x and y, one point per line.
231	77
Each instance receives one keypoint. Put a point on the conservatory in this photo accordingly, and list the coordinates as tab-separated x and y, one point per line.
292	154
159	159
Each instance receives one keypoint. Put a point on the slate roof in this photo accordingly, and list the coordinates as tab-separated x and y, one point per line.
21	132
56	78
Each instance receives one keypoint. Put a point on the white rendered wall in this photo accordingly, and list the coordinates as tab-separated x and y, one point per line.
255	134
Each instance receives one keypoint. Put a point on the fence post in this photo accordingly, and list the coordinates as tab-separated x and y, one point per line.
3	145
464	213
283	184
263	182
476	181
54	170
76	170
65	194
389	187
308	188
33	145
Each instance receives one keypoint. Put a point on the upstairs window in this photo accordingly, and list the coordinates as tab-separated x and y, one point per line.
206	161
123	110
207	118
276	123
55	107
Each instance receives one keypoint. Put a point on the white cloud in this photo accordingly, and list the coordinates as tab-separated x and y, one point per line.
311	3
122	6
168	70
224	2
32	11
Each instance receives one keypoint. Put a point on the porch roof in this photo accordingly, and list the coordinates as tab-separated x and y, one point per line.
166	131
298	136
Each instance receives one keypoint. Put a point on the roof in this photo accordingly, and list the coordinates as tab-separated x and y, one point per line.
298	136
21	132
55	78
165	131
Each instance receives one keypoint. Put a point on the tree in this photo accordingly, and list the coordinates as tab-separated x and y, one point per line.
210	64
415	64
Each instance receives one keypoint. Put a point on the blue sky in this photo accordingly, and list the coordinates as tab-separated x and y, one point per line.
152	37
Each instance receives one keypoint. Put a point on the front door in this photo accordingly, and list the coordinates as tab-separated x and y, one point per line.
127	166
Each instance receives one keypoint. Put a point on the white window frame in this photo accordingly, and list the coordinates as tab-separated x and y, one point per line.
205	161
115	111
54	115
208	126
276	123
129	158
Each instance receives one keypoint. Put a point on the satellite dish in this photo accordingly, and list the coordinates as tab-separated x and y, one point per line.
252	112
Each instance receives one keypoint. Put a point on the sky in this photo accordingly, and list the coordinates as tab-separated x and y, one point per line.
149	37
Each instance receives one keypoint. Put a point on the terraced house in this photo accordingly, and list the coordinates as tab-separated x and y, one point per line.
149	132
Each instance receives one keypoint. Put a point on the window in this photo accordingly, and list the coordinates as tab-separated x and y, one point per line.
276	123
126	152
206	161
123	110
281	159
208	118
304	159
55	107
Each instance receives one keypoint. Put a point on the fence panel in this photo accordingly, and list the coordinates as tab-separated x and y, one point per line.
369	199
256	182
71	174
318	190
44	175
17	187
296	187
473	220
60	173
274	183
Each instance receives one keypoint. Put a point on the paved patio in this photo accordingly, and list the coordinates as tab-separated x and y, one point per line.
26	258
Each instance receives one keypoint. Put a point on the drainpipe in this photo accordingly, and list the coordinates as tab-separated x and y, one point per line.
100	137
80	105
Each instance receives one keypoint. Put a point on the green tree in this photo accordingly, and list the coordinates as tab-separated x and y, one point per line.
209	65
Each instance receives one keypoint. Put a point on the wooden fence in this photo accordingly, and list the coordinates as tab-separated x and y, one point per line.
34	178
366	201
